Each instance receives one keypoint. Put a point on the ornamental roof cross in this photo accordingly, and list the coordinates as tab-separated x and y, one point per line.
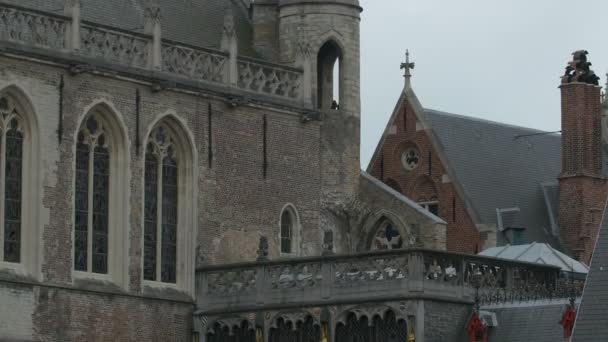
407	66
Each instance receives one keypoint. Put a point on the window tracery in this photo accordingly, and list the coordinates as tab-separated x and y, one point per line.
11	178
91	221
387	237
161	207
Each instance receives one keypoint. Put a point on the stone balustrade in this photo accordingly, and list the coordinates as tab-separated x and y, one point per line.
63	33
370	277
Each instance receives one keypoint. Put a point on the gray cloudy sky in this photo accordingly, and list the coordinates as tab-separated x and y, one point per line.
494	59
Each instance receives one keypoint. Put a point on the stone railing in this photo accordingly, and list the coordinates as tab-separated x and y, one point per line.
115	46
194	62
377	276
32	27
67	33
261	77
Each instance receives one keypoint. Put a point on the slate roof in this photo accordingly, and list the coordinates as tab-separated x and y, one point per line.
539	253
501	166
522	323
194	22
592	320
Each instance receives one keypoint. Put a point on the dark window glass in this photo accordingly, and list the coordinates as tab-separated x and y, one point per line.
169	221
101	185
434	209
150	214
12	194
286	230
81	205
91	208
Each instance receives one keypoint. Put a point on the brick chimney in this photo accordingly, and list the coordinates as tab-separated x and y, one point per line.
582	186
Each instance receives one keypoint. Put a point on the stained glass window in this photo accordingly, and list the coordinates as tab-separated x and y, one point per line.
286	231
160	208
91	206
150	213
11	157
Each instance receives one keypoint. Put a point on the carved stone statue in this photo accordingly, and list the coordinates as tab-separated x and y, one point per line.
263	249
328	243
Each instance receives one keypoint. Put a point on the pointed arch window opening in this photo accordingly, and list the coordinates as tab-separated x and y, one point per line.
161	207
91	221
287	227
387	236
11	178
329	76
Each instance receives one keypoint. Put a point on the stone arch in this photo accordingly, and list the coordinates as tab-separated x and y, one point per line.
115	138
377	221
372	323
300	325
229	328
29	263
184	151
329	53
289	222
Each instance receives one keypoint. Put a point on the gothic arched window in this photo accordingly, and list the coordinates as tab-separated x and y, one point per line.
101	174
329	76
387	236
11	178
286	232
161	207
91	219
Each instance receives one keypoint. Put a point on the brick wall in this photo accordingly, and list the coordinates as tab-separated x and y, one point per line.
236	203
445	321
582	187
462	235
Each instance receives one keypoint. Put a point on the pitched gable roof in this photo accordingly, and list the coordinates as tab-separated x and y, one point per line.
494	166
193	22
501	166
592	320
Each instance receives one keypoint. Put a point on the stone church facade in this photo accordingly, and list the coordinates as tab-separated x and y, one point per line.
141	140
179	173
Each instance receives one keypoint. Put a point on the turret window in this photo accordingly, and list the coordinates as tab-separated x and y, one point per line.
329	76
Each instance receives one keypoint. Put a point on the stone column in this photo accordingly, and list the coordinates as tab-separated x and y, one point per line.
71	8
153	27
304	61
230	45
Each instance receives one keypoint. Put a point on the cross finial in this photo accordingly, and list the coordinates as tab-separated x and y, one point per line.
408	66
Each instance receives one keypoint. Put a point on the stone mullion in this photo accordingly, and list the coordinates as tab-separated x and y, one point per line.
159	216
2	188
90	197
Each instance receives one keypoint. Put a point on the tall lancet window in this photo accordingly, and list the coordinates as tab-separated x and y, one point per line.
161	207
11	176
286	232
91	231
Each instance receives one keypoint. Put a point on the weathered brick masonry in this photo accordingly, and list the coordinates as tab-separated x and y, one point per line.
582	184
428	177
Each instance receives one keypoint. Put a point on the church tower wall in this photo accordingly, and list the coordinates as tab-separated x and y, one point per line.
320	36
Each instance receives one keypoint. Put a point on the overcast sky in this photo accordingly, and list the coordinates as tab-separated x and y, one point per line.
494	59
